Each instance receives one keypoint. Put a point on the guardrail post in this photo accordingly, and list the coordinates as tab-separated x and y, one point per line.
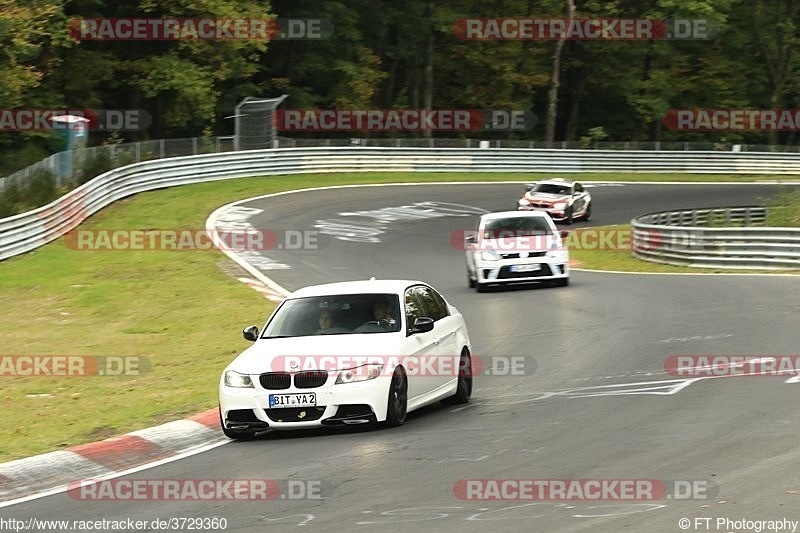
717	246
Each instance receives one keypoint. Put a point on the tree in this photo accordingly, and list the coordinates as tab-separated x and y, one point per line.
555	82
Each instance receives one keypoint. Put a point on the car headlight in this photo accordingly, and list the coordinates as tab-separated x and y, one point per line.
360	373
560	205
490	255
240	381
523	201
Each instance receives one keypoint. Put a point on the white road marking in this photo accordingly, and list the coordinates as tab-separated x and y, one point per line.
697	338
378	220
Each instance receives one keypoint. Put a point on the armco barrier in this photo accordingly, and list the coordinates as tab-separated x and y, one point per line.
724	237
27	231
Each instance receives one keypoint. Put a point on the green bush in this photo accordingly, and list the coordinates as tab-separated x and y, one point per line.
40	189
6	207
37	190
593	136
92	166
12	193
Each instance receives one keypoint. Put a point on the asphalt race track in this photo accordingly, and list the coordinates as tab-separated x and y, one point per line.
598	406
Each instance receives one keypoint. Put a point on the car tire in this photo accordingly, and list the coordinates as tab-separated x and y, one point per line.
588	214
397	402
470	281
464	386
234	433
561	282
568	215
481	287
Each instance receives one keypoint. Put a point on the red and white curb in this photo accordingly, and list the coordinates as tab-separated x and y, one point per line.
267	292
51	473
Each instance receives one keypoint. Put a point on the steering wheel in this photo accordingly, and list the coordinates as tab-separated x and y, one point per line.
383	323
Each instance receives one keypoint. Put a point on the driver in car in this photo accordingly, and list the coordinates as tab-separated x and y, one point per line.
381	310
325	319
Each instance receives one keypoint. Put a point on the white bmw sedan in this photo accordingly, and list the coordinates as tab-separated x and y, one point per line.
358	352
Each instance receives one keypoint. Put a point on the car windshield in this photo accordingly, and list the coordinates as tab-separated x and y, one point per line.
500	228
551	188
338	314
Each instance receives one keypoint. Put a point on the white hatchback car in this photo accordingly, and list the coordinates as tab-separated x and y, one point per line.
516	246
347	353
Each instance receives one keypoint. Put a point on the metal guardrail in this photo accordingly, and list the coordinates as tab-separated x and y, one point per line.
724	237
27	231
68	166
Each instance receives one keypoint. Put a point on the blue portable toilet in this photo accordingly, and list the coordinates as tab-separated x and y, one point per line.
75	130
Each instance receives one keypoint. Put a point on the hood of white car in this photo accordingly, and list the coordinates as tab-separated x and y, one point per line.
267	355
546	197
525	243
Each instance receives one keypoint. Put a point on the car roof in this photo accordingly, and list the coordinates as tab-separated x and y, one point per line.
370	286
514	214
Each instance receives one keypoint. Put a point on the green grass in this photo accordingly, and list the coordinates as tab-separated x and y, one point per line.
181	310
784	209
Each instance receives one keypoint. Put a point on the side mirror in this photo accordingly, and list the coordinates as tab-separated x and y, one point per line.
422	324
471	239
250	333
563	233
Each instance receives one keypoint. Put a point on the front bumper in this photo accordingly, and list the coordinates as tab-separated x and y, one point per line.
508	270
343	404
